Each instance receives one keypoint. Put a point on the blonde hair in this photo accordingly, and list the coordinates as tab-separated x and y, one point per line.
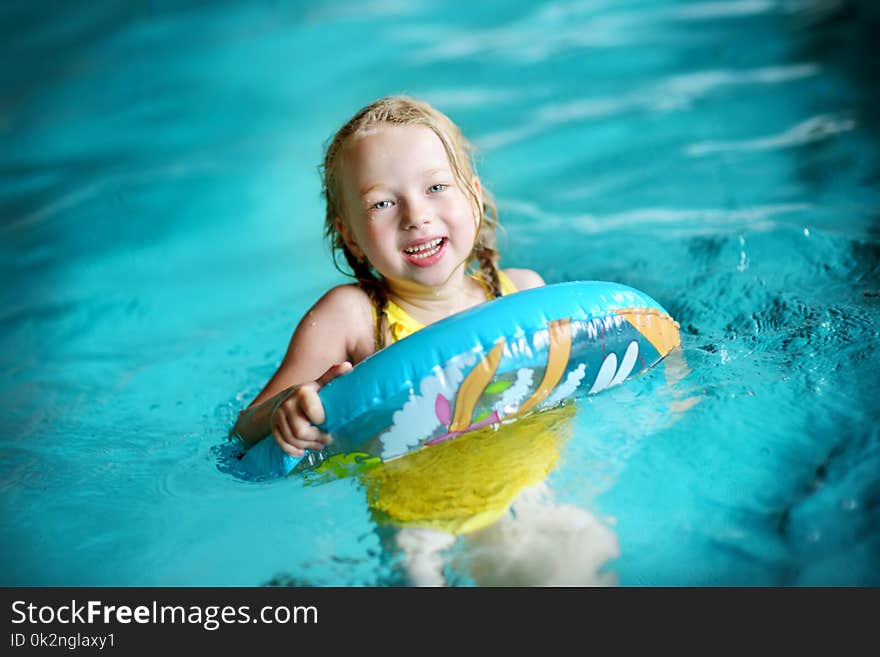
406	111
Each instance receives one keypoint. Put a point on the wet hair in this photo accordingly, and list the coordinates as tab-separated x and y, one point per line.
406	111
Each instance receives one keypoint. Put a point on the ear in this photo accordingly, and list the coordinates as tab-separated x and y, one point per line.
348	238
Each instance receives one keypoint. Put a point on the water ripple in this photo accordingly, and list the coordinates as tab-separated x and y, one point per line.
103	186
697	221
672	93
817	128
713	10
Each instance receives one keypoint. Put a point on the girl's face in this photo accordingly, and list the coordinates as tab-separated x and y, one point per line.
404	210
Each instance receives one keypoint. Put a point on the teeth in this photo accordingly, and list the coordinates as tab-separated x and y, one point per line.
426	249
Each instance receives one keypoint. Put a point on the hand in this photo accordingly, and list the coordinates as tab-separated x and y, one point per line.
293	420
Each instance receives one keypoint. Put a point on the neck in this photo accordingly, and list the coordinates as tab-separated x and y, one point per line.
429	304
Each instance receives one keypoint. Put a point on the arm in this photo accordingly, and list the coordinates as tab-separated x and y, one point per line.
335	332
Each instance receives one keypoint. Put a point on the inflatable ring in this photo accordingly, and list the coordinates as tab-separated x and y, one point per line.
491	364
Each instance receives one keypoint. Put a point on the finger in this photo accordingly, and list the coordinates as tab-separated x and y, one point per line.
299	435
310	405
334	370
284	436
313	445
286	447
281	427
306	434
320	438
289	449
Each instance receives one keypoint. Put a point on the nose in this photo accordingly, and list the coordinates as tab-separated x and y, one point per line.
416	213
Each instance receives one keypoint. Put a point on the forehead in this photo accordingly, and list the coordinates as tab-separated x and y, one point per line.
387	151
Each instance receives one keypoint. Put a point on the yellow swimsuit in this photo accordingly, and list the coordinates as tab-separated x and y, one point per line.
465	484
403	324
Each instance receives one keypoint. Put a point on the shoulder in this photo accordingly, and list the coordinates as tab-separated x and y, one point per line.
338	327
345	311
524	279
348	304
343	297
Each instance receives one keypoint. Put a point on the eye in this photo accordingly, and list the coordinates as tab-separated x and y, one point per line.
381	205
439	187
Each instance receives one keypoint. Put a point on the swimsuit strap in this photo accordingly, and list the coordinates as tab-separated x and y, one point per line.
402	324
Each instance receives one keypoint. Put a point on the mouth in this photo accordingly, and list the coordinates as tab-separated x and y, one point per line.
426	253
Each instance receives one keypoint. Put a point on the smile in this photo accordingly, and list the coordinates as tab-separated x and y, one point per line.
425	250
426	254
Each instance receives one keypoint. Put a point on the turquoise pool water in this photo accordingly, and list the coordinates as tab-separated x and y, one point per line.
161	236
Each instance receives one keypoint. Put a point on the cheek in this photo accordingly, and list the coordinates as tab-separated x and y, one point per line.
466	213
468	207
379	236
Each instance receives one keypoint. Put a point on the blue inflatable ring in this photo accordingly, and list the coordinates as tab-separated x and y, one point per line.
493	363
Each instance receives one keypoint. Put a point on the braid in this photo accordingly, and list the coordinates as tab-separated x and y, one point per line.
485	250
488	257
375	289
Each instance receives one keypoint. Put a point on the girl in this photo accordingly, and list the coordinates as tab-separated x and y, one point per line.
407	210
